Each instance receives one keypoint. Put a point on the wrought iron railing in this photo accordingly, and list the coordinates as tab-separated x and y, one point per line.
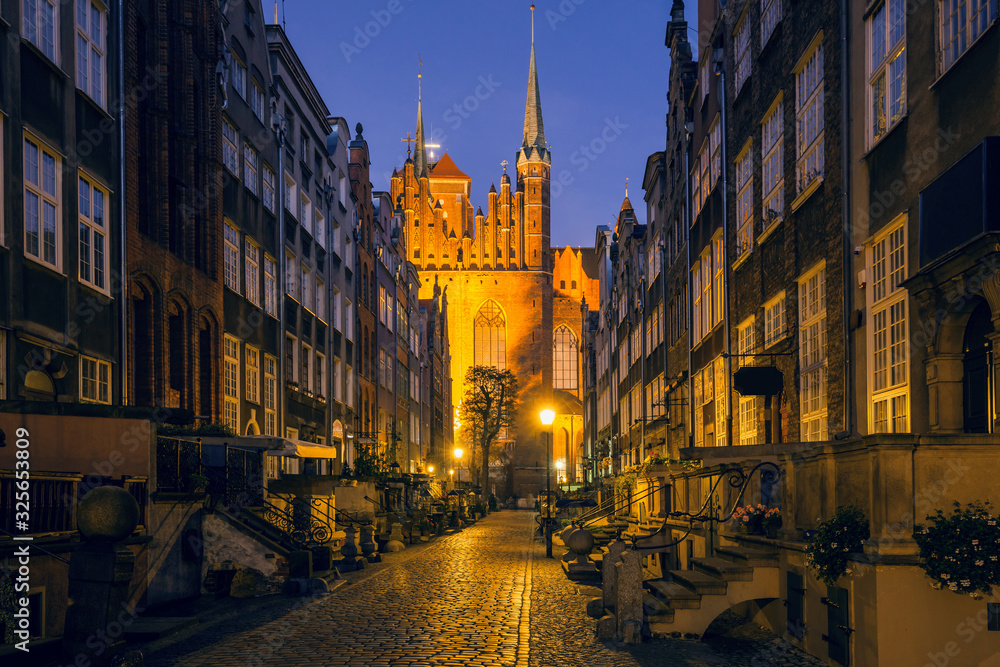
177	460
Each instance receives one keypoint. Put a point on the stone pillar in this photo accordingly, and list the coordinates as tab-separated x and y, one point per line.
613	555
368	547
395	542
628	597
945	376
100	572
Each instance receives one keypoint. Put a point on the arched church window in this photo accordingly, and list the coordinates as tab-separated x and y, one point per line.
490	336
564	359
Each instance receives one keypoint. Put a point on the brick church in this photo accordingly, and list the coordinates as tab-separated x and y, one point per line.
514	301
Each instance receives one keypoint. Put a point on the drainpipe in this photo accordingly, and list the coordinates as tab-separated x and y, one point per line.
279	127
725	258
687	283
123	269
846	189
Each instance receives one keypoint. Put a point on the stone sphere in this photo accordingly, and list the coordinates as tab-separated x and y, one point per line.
581	541
566	532
107	514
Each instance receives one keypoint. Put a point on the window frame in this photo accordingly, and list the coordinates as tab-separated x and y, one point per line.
810	100
744	200
231	382
251	168
231	255
270	292
252	374
251	269
90	46
53	198
741	52
94	230
970	39
239	77
883	295
812	313
748	343
269	186
37	41
99	365
773	333
770	17
230	147
881	69
772	149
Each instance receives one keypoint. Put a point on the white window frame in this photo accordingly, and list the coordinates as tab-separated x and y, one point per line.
268	191
251	253
319	299
772	152
239	76
270	285
775	319
305	278
319	375
253	374
305	211
305	356
749	406
230	147
319	227
741	52
810	122
231	256
231	383
744	200
291	276
969	32
100	383
93	263
888	360
770	17
93	47
886	62
290	192
813	354
251	168
270	395
46	197
257	97
32	32
719	285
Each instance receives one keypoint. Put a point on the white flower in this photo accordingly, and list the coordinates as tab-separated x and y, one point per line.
946	577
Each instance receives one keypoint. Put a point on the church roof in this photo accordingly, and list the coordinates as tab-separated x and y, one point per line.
534	130
627	205
446	168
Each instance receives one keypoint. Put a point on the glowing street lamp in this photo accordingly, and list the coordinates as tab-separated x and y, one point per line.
547	416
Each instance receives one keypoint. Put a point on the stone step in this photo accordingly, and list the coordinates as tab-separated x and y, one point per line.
655	609
726	570
748	556
699	582
673	594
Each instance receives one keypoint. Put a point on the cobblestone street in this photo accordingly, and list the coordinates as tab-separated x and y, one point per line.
486	596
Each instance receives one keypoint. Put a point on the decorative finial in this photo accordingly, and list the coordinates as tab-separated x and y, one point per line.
626	186
532	24
420	74
408	139
504	165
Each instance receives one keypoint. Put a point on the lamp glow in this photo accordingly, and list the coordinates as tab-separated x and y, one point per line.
547	416
458	452
560	464
430	468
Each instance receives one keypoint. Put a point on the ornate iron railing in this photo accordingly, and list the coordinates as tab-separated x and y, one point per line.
177	460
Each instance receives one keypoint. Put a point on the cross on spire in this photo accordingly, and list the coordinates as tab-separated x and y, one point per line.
408	139
504	165
626	186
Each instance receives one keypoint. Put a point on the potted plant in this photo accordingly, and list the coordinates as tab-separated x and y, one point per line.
749	519
426	527
197	482
772	522
961	551
829	550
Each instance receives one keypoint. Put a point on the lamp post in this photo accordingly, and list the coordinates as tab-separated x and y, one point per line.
458	457
548	416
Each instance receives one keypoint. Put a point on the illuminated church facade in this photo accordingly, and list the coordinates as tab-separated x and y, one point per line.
514	301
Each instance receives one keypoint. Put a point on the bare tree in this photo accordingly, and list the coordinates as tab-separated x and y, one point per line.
488	406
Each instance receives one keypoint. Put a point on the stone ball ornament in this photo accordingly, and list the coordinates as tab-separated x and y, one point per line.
566	532
107	514
580	542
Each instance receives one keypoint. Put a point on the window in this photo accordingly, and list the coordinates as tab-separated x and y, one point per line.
718	290
962	22
886	30
270	287
305	211
809	115
741	42
41	25
320	370
887	340
305	375
319	228
706	291
269	189
749	405
270	395
381	304
565	359
812	355
253	373
232	257
319	298
90	30
770	15
774	320
697	331
305	284
250	163
252	265
350	386
290	274
42	176
231	387
389	311
257	99
654	258
348	320
715	150
95	383
772	151
490	336
696	194
230	150
239	77
744	200
93	234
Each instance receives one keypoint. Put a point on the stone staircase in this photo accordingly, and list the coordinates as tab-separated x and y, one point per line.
687	601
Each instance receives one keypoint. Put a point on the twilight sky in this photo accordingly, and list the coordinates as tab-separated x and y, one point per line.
602	71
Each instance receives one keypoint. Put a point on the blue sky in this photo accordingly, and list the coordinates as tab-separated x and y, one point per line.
602	70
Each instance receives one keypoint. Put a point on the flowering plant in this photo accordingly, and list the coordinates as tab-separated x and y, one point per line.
751	516
771	518
829	550
961	551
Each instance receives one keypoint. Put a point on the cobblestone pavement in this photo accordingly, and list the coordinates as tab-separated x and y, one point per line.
483	597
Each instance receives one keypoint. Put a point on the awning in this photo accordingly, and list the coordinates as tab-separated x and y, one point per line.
304	450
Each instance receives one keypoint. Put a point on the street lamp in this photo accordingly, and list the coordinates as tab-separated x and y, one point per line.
430	470
548	416
458	457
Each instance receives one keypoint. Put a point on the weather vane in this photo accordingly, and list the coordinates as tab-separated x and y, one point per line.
504	165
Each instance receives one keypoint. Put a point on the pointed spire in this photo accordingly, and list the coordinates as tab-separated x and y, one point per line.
534	132
420	159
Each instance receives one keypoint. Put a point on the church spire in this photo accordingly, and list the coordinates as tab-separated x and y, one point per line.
534	132
420	152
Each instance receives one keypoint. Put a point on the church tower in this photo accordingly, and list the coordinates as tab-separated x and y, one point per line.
533	168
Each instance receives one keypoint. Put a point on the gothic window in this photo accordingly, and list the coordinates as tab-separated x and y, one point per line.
564	359
491	336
